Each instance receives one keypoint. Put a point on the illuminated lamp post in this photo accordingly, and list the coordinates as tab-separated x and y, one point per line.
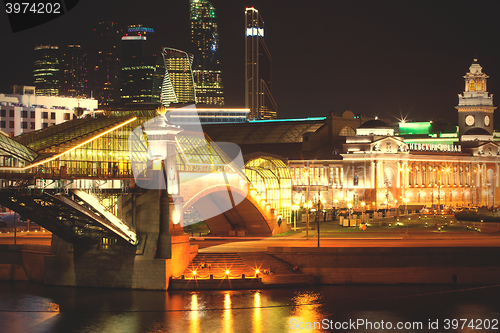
294	212
446	180
318	210
405	200
363	204
387	185
439	194
307	202
349	206
161	150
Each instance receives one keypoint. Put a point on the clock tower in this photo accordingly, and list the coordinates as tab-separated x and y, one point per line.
475	106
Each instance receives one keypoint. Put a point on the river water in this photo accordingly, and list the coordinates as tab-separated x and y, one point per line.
32	307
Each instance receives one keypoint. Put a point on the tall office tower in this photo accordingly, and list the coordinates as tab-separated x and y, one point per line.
136	42
138	66
137	80
74	75
258	93
205	48
158	78
46	73
178	83
106	64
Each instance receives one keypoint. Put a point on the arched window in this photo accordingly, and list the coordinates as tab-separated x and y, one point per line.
472	85
347	131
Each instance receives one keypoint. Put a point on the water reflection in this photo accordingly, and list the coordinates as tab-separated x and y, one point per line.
257	313
194	316
38	308
306	310
119	323
27	313
227	316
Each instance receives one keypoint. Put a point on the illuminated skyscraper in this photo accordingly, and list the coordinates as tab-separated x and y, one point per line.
138	66
258	95
46	72
74	76
178	83
106	64
205	48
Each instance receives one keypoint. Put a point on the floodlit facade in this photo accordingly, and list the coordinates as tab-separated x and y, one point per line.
258	88
27	113
205	48
421	163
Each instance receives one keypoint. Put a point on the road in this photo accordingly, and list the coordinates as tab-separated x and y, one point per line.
38	238
262	245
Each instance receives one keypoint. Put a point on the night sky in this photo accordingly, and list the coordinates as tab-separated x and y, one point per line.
385	58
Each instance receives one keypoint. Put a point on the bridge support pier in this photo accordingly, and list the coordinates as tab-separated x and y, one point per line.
163	251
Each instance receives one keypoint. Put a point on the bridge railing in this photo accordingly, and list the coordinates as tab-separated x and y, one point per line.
70	173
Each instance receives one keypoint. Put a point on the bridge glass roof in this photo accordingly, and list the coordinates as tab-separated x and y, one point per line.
262	133
68	133
271	178
100	148
197	149
10	147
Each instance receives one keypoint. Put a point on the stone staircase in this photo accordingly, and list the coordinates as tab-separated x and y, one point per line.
217	264
281	271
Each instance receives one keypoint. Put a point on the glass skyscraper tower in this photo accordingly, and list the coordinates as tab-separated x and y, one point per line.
178	84
139	66
46	73
258	96
205	48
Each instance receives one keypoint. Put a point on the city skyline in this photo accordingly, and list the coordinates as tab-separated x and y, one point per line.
387	59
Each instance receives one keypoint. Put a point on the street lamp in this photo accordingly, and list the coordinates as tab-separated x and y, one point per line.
405	200
294	212
307	202
363	208
387	185
318	210
439	194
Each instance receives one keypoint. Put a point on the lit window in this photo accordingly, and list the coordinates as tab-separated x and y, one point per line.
347	131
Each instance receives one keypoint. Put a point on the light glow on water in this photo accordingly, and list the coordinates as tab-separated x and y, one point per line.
257	313
36	308
227	315
194	315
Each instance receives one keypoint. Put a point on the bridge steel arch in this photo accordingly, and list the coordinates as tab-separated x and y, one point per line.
247	215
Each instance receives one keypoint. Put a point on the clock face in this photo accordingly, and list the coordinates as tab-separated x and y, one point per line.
487	120
469	120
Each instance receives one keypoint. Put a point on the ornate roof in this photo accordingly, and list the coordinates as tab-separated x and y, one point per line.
374	123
